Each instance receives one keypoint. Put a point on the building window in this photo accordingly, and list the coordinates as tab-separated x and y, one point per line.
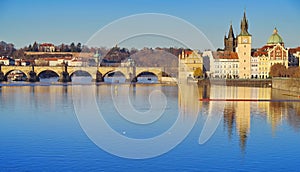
244	68
244	46
244	53
244	60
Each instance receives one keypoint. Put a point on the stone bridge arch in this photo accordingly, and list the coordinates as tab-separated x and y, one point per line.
6	73
155	70
39	69
7	69
40	72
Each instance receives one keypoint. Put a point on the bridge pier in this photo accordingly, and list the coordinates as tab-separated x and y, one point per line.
99	77
64	77
32	76
132	74
2	76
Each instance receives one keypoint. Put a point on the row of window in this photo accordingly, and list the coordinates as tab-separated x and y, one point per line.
261	68
233	66
265	63
225	72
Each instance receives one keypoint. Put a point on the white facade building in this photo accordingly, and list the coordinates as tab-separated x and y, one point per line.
226	65
4	61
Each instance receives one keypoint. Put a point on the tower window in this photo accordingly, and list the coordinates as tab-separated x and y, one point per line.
244	53
244	60
244	46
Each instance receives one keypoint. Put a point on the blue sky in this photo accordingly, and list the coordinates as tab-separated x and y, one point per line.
59	21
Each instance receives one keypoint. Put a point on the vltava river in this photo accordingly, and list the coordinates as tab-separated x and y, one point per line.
40	129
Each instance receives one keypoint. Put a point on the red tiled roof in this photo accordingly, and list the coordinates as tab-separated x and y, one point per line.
262	51
46	44
188	52
51	59
294	50
226	55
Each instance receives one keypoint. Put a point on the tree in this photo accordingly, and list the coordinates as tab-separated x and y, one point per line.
278	70
30	47
297	73
35	47
78	47
198	73
6	49
66	48
85	48
72	47
293	72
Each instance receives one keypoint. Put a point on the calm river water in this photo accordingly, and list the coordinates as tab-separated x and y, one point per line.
40	131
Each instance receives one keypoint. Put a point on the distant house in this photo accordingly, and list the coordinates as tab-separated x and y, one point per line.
294	56
25	63
4	61
7	61
52	61
75	63
47	47
66	60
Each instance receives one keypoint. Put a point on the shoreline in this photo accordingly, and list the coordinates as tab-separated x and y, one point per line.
204	82
237	82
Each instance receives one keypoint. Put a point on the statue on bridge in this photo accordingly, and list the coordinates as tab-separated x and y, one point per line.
65	77
32	75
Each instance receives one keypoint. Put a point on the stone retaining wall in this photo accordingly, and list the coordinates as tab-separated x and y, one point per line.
287	84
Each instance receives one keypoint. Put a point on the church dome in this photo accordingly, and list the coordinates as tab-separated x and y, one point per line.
275	38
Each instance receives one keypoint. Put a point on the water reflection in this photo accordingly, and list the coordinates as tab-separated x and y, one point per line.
237	114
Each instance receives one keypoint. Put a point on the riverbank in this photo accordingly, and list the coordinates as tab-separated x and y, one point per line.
237	82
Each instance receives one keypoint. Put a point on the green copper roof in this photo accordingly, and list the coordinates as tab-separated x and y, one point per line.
275	38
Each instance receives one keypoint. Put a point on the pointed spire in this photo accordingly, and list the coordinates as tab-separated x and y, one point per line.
244	25
230	33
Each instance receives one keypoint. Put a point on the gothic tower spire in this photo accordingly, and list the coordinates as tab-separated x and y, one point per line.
230	41
230	33
244	26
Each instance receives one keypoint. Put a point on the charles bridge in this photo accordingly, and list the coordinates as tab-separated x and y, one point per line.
66	72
